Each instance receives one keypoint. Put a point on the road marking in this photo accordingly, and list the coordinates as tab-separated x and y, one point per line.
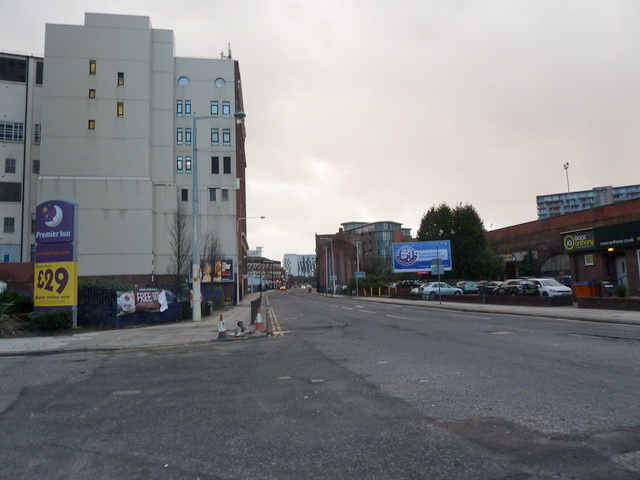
502	332
402	318
347	308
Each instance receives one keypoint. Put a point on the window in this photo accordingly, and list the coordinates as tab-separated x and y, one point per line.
226	136
185	195
187	108
588	259
179	136
212	194
225	195
6	257
187	136
179	108
33	222
187	164
11	131
39	72
92	93
35	167
214	108
9	165
37	133
120	111
9	225
10	191
179	164
226	165
92	67
226	109
92	124
215	136
215	165
121	79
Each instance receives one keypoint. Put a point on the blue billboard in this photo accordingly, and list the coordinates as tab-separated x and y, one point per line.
417	256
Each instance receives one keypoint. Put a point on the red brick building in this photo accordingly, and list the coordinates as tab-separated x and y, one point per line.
598	244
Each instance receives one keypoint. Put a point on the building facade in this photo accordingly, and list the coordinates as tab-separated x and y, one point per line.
358	246
21	79
562	203
303	266
123	122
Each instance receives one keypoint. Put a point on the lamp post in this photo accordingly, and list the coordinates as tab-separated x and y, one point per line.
238	273
195	247
357	242
566	169
333	267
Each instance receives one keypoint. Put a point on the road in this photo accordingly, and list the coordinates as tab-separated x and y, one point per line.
355	390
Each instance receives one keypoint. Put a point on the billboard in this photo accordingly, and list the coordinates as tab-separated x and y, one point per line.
218	271
417	256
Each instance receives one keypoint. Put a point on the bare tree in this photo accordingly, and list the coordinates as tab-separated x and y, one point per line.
180	236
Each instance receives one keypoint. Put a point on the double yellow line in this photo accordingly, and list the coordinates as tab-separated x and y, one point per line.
275	324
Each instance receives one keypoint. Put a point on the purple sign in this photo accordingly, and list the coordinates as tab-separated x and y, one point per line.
55	222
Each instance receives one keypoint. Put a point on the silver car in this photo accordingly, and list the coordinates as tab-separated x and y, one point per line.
431	290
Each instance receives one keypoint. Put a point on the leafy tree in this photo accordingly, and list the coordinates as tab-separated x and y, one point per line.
526	268
471	256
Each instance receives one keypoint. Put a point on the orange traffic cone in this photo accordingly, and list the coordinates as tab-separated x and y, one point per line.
222	330
259	324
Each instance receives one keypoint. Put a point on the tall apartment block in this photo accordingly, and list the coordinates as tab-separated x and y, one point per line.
570	202
20	139
119	115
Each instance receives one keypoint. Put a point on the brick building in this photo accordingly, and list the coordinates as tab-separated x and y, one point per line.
607	248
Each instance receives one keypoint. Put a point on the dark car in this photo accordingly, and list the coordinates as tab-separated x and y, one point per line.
517	287
487	288
467	286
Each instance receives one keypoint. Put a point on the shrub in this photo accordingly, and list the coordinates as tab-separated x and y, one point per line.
620	290
14	302
51	320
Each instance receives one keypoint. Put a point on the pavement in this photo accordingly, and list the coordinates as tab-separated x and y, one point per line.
206	331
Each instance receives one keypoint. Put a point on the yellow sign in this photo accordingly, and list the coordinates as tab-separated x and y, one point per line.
56	284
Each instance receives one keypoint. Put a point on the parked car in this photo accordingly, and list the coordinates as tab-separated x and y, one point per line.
433	289
516	286
486	288
467	286
550	287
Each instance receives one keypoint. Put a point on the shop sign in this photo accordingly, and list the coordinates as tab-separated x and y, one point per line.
583	240
625	234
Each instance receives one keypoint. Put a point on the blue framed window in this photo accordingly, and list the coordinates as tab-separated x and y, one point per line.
179	108
215	136
179	165
226	109
179	137
214	108
187	164
187	108
226	136
187	136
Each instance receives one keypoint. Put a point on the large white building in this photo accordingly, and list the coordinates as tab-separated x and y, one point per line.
20	137
300	265
119	114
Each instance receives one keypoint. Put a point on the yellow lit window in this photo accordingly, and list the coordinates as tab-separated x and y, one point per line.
92	93
92	67
121	79
120	111
92	124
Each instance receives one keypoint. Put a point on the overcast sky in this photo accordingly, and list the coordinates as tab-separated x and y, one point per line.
367	110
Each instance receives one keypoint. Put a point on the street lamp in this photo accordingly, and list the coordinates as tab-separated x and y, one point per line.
238	273
195	246
333	267
566	169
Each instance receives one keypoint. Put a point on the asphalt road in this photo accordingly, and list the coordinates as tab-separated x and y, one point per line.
355	391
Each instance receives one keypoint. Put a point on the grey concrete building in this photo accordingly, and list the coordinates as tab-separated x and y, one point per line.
119	129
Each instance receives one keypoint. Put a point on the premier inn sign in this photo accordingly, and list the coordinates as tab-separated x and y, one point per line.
575	241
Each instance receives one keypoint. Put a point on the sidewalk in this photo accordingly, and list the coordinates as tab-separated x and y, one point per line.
164	335
627	317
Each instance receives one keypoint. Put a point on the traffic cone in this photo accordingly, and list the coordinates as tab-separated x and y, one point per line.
259	324
222	330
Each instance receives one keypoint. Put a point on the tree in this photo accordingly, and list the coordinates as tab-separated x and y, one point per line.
180	236
471	256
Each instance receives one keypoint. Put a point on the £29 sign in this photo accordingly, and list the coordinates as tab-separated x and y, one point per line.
55	284
56	268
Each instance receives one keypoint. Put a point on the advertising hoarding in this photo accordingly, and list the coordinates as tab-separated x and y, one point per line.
418	256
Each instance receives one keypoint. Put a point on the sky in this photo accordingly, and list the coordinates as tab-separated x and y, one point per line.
369	110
